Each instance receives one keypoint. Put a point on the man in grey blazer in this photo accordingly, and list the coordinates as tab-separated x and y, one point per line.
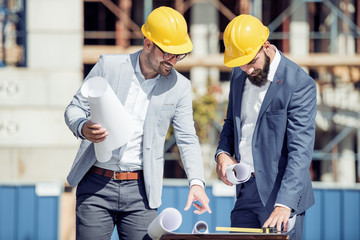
270	126
126	190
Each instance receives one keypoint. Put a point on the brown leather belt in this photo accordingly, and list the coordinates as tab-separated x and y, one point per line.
116	175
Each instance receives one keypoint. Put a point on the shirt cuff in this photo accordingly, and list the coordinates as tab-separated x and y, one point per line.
79	129
216	156
197	182
282	205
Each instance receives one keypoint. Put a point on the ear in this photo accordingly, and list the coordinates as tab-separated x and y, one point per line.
147	44
269	50
266	45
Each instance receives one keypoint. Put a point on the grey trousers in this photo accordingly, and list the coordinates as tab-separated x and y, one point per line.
102	203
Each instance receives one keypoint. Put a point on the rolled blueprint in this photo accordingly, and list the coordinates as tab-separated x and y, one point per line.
238	173
107	110
200	227
167	221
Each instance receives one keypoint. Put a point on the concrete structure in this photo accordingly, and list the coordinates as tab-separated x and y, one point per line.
35	144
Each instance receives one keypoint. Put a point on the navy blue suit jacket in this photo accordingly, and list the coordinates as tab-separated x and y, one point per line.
283	137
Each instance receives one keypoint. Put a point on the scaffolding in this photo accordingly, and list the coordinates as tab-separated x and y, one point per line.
322	36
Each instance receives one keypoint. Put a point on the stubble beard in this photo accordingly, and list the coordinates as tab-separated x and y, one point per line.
160	69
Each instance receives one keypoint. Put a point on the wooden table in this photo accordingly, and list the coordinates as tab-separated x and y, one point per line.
225	236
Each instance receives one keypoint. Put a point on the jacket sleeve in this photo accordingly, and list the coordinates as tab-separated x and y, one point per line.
226	142
300	134
185	134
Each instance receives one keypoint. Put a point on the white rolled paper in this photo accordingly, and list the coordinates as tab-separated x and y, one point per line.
107	110
238	173
167	221
200	227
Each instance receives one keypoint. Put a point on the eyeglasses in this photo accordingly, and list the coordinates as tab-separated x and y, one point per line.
169	56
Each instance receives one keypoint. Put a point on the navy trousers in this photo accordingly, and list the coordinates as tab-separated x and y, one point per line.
249	212
102	203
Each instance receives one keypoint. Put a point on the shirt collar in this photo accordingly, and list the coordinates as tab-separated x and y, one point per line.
274	65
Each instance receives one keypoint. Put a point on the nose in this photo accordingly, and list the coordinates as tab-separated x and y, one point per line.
247	69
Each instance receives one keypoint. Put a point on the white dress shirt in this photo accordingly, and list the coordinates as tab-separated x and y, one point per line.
129	156
252	99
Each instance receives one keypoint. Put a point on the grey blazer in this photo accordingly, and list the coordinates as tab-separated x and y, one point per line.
170	102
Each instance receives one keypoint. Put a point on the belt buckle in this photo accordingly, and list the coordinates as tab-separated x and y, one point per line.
114	175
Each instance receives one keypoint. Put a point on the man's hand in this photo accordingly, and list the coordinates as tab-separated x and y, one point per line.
198	193
94	132
279	216
223	161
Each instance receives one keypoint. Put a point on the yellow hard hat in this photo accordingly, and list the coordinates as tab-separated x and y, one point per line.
167	28
243	38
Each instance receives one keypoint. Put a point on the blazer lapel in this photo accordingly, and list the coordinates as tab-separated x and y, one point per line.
275	85
240	81
126	74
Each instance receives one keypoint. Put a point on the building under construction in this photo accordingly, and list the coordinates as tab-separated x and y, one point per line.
322	36
48	47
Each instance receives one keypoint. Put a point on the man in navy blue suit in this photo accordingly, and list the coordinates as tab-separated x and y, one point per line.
270	126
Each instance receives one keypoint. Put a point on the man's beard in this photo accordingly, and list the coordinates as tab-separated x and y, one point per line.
261	78
158	69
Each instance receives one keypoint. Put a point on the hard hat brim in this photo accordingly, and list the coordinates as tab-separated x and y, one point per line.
230	61
179	49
